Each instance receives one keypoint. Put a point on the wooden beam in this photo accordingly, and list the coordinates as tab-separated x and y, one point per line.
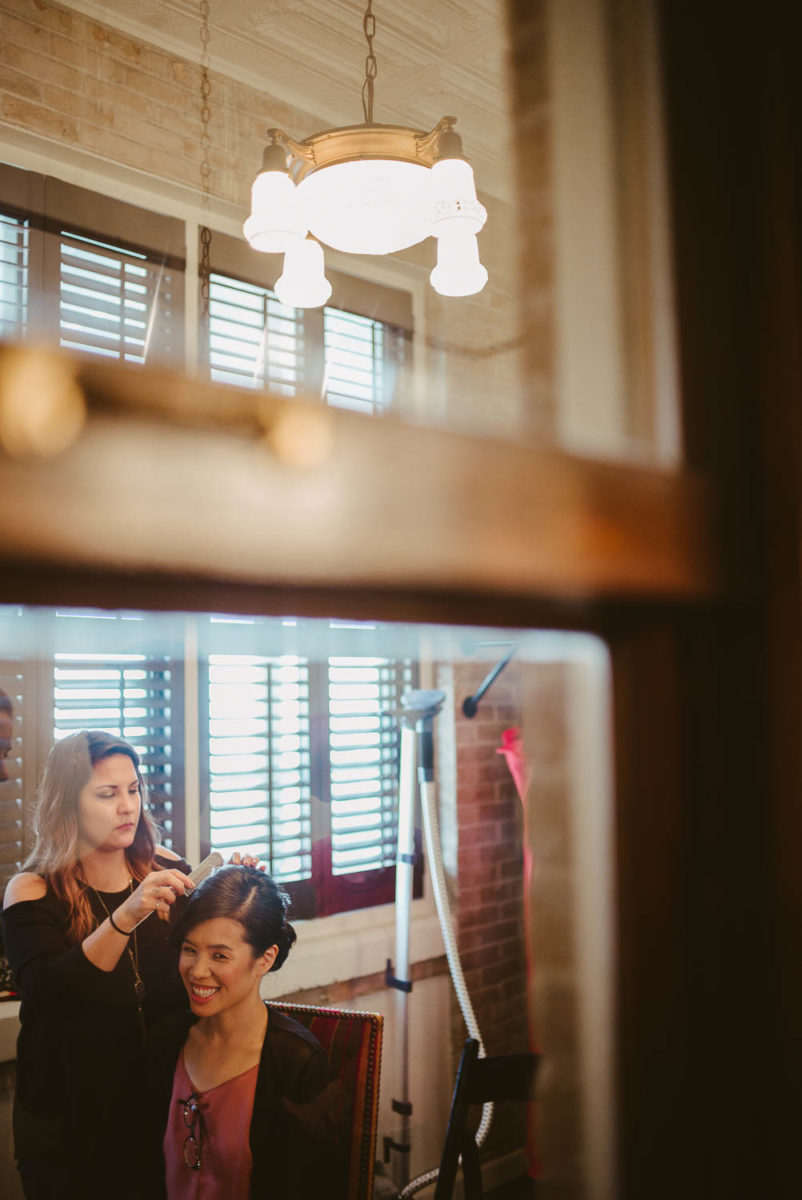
190	480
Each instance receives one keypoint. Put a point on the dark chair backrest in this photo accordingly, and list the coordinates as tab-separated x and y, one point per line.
353	1043
479	1081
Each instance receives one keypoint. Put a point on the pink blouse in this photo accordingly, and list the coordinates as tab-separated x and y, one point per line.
224	1121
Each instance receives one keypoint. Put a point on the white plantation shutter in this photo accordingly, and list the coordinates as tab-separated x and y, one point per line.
359	371
300	761
363	736
101	276
113	301
14	254
353	361
254	339
259	761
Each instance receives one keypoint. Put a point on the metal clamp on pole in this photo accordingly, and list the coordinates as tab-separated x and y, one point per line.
403	985
402	1107
390	1145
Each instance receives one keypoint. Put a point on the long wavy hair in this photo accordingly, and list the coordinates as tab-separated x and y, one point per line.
55	853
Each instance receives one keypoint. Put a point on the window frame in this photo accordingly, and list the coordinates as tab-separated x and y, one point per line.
388	305
51	206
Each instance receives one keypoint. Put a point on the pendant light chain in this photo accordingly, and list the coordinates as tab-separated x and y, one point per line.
366	189
369	26
205	166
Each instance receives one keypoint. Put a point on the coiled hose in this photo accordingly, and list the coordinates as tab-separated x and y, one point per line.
431	833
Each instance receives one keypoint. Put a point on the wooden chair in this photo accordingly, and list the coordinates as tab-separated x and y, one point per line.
479	1080
353	1042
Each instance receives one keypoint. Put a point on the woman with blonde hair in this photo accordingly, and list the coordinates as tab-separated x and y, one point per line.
92	971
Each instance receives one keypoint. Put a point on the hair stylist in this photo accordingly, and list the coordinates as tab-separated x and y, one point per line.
92	975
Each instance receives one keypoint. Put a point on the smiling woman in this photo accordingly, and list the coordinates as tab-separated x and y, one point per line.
92	976
243	1105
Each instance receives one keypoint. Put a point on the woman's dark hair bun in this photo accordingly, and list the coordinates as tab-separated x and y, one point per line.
285	942
250	897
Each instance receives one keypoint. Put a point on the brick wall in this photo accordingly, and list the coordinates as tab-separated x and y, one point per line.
82	84
488	887
518	1007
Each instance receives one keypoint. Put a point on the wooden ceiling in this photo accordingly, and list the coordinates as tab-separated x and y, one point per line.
435	57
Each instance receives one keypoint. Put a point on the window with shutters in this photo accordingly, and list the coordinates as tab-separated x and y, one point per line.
302	769
254	340
109	299
297	744
72	270
362	358
259	749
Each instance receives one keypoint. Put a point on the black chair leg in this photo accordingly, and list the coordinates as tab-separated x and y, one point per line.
471	1169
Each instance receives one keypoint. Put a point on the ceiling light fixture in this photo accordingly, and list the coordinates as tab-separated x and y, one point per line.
366	189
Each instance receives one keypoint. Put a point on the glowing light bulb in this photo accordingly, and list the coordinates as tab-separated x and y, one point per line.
457	217
458	271
303	283
276	213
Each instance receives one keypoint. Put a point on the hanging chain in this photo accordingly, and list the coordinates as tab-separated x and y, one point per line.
205	166
369	26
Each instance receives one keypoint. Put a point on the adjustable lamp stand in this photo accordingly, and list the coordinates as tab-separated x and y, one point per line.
418	710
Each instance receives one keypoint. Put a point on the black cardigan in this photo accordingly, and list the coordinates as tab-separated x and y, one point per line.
301	1118
79	1051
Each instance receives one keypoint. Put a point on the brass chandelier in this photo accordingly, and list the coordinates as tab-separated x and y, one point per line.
366	189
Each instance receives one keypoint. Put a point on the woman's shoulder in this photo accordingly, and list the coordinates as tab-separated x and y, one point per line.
25	886
296	1061
281	1025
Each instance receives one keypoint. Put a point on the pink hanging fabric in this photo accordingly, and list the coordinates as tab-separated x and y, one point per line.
512	748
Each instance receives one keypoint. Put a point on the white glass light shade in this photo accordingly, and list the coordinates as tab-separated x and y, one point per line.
303	283
458	271
277	216
452	178
452	197
370	206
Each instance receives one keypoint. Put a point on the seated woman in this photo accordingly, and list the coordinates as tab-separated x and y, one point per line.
242	1096
91	975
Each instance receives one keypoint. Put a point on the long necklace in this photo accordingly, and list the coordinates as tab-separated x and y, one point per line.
133	955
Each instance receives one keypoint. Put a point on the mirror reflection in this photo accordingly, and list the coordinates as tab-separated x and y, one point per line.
429	809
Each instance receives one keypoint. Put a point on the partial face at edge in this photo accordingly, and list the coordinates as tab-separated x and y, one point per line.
6	743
